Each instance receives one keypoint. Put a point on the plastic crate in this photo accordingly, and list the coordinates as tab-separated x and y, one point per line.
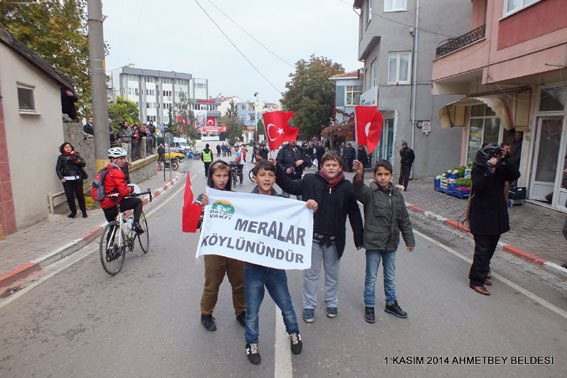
453	176
437	184
461	192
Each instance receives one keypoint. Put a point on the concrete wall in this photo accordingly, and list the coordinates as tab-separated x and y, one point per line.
33	140
447	18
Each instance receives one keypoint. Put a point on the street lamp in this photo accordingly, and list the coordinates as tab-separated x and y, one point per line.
256	117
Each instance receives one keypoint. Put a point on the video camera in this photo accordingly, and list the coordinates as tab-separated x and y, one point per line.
488	152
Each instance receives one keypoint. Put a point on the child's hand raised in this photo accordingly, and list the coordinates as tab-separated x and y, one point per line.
312	204
358	168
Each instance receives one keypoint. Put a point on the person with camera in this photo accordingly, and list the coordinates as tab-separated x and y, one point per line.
488	216
292	160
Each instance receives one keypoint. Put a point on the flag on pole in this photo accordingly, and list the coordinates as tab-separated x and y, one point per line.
368	126
277	128
191	211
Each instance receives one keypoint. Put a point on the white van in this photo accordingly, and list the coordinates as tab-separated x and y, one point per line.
180	144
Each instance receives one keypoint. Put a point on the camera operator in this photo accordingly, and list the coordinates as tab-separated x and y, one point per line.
488	216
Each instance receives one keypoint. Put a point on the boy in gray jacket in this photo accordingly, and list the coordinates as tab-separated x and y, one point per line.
385	215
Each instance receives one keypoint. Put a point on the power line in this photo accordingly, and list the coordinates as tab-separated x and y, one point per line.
251	36
411	26
237	49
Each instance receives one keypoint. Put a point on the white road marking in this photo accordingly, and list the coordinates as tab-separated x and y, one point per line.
282	353
514	286
73	259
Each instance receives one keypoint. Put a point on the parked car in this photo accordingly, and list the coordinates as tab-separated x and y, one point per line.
177	155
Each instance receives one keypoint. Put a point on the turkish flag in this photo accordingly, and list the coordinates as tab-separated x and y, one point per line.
277	128
368	126
191	211
211	121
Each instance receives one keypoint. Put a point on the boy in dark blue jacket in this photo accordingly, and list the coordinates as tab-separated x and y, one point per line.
275	280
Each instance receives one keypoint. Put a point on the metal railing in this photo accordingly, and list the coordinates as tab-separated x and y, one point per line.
460	42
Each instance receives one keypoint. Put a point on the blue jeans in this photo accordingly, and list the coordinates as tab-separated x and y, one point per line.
373	258
275	280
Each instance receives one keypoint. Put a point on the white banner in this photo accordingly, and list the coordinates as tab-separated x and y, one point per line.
265	230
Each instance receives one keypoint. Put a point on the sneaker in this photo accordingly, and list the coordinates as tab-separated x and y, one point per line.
136	227
395	310
369	314
308	315
241	318
296	343
208	322
331	312
253	353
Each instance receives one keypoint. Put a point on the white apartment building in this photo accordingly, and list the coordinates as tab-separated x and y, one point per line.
155	92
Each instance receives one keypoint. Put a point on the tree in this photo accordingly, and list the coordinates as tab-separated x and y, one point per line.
57	31
311	95
122	110
234	127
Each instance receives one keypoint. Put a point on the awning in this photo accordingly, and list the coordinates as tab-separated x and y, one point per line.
453	114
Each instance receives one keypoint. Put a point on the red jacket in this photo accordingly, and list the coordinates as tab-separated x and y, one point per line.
114	182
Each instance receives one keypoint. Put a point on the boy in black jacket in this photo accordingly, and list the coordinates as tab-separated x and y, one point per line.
335	200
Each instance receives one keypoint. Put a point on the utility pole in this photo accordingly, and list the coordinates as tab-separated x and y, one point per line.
98	82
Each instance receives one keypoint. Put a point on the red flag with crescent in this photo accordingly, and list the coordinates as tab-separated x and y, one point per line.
191	211
368	126
277	128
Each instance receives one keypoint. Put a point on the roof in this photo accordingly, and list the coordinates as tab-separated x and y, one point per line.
346	75
34	58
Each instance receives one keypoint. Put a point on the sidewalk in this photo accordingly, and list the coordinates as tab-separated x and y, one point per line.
535	233
30	249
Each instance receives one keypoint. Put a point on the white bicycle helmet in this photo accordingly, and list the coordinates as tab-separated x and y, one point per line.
116	152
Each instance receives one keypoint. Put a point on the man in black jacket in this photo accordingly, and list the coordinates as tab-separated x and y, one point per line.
335	200
406	159
88	127
291	159
488	210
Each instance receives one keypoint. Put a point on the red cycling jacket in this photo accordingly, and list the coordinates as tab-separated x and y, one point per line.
114	182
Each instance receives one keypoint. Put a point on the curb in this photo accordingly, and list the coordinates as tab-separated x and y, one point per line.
40	263
508	248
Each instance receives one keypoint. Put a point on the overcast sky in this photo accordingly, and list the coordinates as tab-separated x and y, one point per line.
176	35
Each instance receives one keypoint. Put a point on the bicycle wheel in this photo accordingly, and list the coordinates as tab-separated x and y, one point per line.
174	165
251	175
144	239
111	252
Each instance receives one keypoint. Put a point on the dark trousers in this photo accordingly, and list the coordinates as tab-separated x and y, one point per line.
74	188
404	175
207	164
127	203
484	247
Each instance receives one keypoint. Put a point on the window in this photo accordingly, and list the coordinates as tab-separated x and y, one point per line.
352	95
553	99
484	128
368	11
399	67
513	6
395	5
200	85
26	101
373	74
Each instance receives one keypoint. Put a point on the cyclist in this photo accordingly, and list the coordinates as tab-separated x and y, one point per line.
115	182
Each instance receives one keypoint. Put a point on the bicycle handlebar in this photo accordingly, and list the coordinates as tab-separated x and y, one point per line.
148	192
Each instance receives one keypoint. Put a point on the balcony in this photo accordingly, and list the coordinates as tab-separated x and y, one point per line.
460	42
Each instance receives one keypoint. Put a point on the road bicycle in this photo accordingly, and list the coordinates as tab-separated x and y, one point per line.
118	237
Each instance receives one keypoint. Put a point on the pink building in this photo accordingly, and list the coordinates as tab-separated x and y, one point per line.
511	70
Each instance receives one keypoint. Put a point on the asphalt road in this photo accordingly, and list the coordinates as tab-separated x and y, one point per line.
77	321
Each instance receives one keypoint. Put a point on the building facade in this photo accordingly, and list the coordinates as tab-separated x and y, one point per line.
156	92
348	89
510	71
397	39
30	122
